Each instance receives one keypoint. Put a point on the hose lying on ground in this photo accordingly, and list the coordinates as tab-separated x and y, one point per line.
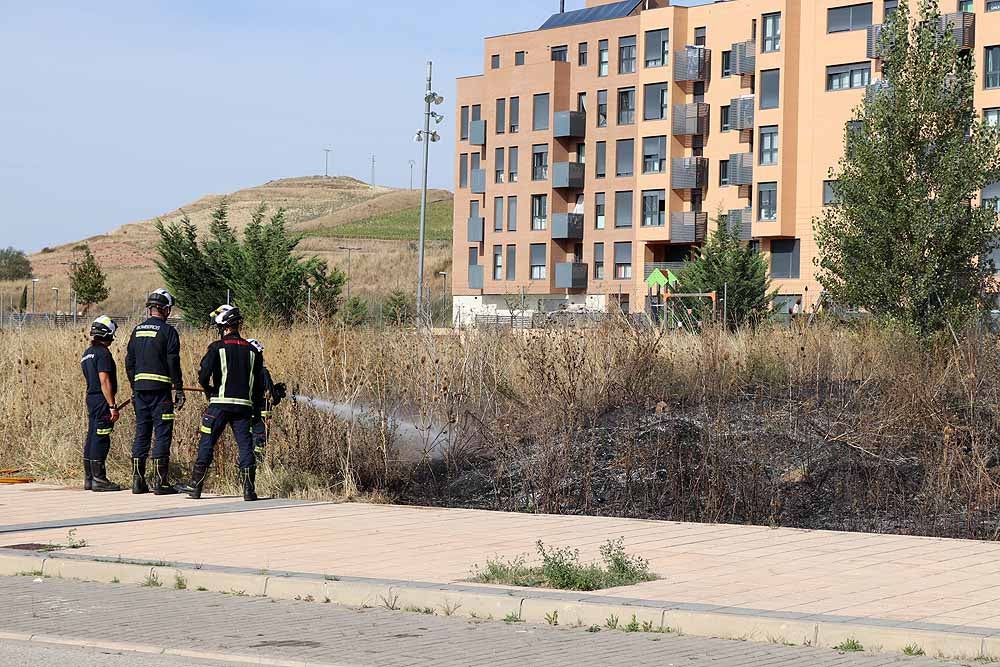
7	477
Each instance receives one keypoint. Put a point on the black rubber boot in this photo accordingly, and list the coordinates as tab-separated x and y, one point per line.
139	476
194	487
101	482
161	469
249	479
88	476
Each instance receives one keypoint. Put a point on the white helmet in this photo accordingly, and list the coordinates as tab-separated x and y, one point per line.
103	328
226	315
256	344
160	298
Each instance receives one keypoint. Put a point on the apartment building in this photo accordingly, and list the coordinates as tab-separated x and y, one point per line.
602	146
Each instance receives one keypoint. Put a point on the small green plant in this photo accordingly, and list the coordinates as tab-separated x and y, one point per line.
330	577
594	628
116	580
448	608
427	611
200	588
553	618
72	542
633	625
512	617
152	581
326	600
849	645
391	602
30	573
180	583
647	626
913	650
237	593
611	622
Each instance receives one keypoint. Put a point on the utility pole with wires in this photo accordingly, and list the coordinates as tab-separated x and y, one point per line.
427	137
373	170
326	163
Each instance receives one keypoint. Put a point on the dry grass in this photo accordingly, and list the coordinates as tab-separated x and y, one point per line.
823	426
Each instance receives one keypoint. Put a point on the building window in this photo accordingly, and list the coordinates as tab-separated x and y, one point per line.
772	31
476	161
519	57
654	155
601	159
623	260
624	157
830	193
700	35
539	162
656	101
512	164
654	207
724	112
889	8
657	48
581	54
602	108
852	17
992	67
770	82
495	61
965	5
623	209
463	123
477	112
463	170
539	212
600	211
727	64
626	106
511	262
993	5
785	258
511	214
498	262
501	121
767	202
560	54
723	173
626	55
852	75
991	117
598	261
537	259
581	102
769	145
498	166
540	112
602	58
581	153
474	256
515	114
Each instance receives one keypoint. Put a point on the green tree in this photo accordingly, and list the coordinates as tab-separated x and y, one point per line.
355	312
397	308
904	241
88	280
22	306
261	273
14	264
726	266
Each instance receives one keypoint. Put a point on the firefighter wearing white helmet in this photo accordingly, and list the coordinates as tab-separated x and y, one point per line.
153	368
273	394
101	374
232	376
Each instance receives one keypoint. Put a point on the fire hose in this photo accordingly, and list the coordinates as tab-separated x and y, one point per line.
9	476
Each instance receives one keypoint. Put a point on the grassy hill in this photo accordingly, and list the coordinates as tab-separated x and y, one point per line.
381	221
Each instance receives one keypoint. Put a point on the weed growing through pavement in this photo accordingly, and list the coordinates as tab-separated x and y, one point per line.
594	628
30	573
180	583
391	603
419	610
116	580
913	650
201	588
849	645
448	608
513	617
553	618
561	568
152	581
611	623
72	542
633	625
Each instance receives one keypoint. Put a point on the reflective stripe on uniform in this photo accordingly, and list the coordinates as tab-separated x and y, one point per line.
205	429
105	431
145	334
224	366
265	413
169	417
230	401
152	376
253	360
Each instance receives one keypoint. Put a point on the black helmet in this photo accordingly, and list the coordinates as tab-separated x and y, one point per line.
161	298
103	329
226	316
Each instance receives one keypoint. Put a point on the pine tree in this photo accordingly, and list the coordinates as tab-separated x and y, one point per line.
397	309
88	280
904	242
355	312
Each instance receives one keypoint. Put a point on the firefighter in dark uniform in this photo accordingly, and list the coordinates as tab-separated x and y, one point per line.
232	376
102	412
273	394
153	366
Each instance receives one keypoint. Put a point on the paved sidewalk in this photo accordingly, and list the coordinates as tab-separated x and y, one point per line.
258	629
908	583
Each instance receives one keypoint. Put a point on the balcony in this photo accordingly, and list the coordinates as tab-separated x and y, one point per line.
874	37
477	133
743	60
741	169
688	173
476	276
741	112
739	222
694	63
477	181
571	275
570	175
569	124
567	226
690	119
477	228
877	88
688	227
963	26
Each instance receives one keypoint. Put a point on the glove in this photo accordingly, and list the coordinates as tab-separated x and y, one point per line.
179	399
278	392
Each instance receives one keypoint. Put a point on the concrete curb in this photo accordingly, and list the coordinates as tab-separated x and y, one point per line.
529	605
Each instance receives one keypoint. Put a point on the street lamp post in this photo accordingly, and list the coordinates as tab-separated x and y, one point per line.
412	162
427	137
56	290
326	164
348	249
34	281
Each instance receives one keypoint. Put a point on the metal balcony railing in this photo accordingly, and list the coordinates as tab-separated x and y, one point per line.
569	175
688	173
963	26
877	88
674	267
477	229
477	133
690	119
567	226
571	275
569	124
688	227
694	63
744	58
740	222
873	41
741	169
741	110
476	276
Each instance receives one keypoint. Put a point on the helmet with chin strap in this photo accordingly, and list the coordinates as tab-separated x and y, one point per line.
161	299
103	329
226	316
